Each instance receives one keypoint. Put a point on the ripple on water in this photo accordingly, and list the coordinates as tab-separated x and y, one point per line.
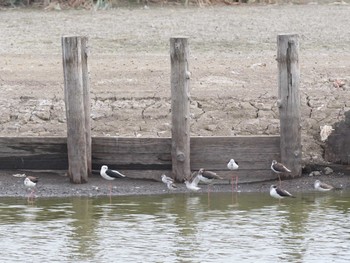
177	228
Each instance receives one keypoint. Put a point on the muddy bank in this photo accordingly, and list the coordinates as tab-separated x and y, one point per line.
58	185
233	69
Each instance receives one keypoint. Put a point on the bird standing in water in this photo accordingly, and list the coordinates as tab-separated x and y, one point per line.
232	165
279	193
30	183
323	187
207	177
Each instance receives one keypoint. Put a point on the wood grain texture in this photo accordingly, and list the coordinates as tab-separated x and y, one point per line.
86	100
180	107
75	109
289	102
139	156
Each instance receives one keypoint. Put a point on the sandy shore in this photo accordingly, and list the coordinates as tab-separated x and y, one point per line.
58	185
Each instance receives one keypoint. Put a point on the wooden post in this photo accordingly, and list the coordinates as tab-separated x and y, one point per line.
75	108
86	98
180	108
289	101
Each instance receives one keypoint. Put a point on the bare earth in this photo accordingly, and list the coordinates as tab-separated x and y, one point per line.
58	185
232	63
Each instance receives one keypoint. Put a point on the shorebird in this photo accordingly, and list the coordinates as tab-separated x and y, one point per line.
279	168
193	185
207	177
30	183
279	193
169	182
232	165
166	179
110	175
171	186
323	187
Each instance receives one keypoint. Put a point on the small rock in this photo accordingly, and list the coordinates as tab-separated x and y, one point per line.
315	173
326	130
328	171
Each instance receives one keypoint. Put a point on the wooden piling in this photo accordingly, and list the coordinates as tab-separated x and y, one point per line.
74	80
86	98
289	101
180	108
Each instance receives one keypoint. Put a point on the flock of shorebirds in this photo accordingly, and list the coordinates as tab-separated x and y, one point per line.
204	176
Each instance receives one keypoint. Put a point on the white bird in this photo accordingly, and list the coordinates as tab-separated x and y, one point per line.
110	175
279	193
169	182
30	183
279	168
171	186
323	187
232	165
193	185
166	179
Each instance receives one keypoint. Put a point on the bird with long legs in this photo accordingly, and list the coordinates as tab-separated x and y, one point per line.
110	175
30	183
233	165
279	169
207	177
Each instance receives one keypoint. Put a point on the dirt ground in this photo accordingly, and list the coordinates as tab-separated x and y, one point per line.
232	62
58	185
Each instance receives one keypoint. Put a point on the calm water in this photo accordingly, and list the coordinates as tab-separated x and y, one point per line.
314	227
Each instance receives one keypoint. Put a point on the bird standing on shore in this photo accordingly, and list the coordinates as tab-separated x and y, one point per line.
169	182
232	165
193	184
110	175
30	183
322	187
279	168
279	193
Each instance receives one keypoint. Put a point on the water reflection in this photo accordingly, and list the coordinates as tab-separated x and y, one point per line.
177	228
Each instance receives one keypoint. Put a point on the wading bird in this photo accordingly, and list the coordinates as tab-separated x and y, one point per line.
279	193
193	184
207	177
110	175
30	183
279	168
169	182
323	187
232	165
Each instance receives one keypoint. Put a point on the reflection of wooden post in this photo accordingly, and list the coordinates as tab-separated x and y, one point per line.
180	108
74	80
289	101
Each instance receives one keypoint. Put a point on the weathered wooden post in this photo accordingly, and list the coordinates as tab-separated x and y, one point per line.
87	103
289	101
180	108
73	53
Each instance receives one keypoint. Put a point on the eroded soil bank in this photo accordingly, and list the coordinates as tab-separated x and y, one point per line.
233	75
